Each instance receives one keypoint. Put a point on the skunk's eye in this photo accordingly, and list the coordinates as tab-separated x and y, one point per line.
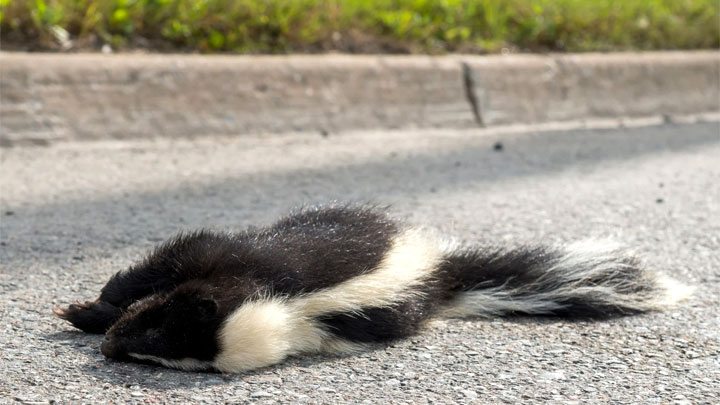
152	333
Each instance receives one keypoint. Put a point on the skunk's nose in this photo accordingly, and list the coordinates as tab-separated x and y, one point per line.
111	348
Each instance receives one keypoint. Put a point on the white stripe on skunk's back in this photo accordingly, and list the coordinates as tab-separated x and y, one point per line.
265	331
413	257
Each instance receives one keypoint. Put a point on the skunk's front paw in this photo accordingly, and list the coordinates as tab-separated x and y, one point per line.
92	316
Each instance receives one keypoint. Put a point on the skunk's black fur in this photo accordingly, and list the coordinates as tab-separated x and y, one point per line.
334	279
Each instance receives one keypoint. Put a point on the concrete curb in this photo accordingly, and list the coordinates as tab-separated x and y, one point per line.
47	97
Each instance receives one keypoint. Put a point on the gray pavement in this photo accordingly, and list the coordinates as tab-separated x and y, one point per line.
74	213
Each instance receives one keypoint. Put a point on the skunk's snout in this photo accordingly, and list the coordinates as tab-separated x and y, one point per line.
112	348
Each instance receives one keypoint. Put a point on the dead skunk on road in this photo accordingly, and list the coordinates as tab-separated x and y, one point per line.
336	279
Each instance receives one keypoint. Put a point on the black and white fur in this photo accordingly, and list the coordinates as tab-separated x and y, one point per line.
336	279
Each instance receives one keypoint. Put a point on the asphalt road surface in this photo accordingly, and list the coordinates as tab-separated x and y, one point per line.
73	214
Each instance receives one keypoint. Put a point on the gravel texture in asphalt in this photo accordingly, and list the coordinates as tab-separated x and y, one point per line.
73	214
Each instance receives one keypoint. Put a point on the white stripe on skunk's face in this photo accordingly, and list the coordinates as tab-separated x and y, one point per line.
187	363
263	332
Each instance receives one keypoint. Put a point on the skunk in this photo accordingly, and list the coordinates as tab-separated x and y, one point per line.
336	279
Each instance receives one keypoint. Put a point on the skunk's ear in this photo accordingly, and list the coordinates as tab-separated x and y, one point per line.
207	308
194	299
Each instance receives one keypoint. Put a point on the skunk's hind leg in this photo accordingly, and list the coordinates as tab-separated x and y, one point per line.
91	317
375	325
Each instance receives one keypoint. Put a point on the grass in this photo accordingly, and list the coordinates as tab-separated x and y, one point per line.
360	26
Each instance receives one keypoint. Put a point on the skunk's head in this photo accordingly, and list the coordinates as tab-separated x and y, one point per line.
178	330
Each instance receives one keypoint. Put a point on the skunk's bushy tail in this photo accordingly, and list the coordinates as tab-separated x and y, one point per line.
586	279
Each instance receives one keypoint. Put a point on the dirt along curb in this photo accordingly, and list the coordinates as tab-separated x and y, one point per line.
49	97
